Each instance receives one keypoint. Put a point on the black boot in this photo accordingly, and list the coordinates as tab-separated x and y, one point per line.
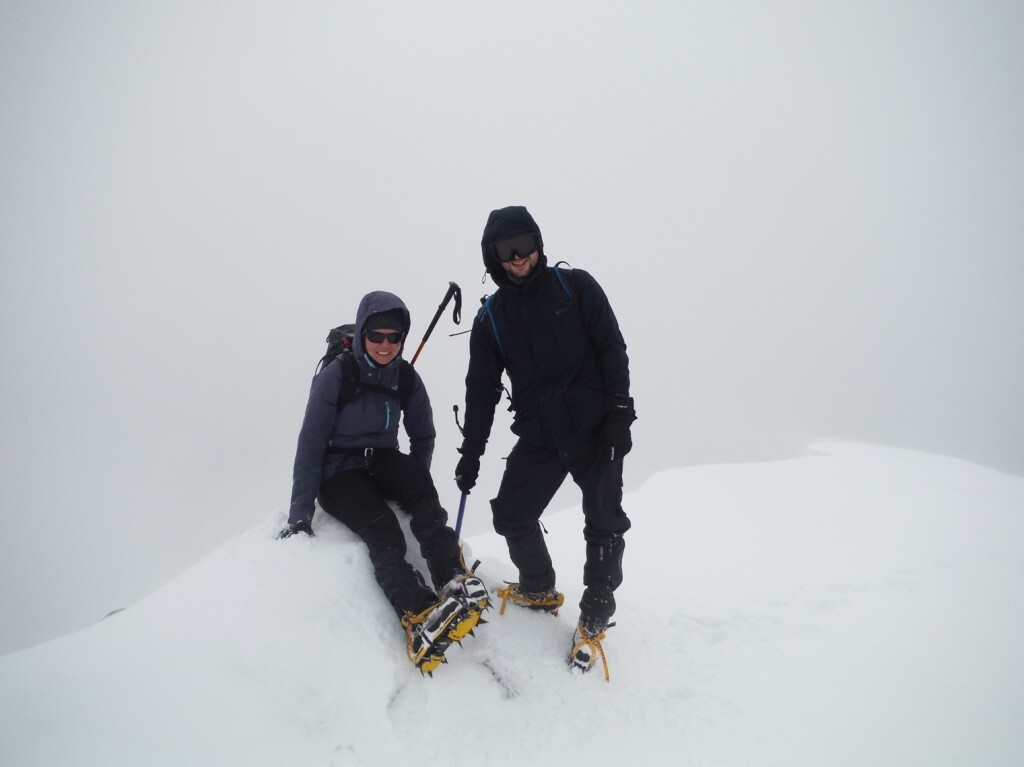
602	574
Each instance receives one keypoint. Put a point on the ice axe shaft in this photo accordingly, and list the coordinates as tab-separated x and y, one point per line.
453	291
458	520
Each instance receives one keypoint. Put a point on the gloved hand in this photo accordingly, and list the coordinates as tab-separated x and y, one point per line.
616	438
296	527
468	468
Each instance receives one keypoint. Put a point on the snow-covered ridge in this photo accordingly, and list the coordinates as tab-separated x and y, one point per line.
857	606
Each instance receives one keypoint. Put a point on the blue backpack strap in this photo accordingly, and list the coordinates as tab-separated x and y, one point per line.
486	308
565	279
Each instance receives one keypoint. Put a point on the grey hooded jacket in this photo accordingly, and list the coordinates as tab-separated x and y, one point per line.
369	420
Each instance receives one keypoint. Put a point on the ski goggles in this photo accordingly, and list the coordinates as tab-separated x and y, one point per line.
520	246
378	338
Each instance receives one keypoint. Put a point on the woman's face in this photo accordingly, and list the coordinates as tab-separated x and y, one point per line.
382	346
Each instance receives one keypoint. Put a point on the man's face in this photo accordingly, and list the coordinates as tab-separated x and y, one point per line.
518	269
517	255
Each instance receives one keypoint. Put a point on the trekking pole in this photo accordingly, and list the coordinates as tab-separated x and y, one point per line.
453	290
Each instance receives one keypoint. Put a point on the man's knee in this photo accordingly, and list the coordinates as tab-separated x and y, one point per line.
512	522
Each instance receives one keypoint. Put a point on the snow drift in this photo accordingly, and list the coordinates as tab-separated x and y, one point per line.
860	605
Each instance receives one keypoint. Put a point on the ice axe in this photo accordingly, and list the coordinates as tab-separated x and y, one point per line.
458	520
453	290
462	501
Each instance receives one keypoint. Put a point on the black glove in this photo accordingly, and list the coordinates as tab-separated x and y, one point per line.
468	468
616	438
295	527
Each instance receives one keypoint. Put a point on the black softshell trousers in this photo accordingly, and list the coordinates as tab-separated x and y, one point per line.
358	498
532	476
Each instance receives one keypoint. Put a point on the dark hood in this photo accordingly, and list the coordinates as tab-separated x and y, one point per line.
374	303
502	224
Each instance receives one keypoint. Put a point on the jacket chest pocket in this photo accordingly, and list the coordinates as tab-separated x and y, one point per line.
569	334
544	338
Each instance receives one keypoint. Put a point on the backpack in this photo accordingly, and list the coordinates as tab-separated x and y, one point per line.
339	347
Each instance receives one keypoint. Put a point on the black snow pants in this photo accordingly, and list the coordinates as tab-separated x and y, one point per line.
532	476
358	498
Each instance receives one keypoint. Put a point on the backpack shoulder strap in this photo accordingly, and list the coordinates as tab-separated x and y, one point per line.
349	378
565	279
351	385
405	381
486	316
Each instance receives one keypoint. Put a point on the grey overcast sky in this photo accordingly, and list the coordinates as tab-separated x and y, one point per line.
808	217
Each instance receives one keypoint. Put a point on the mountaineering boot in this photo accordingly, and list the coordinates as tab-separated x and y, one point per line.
602	575
546	601
469	589
467	586
586	646
430	633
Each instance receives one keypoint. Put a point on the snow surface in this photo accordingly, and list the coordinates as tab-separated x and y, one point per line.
857	606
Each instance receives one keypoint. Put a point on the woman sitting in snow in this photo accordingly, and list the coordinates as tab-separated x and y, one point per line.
348	459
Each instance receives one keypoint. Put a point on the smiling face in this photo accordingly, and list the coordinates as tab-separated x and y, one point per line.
518	255
519	268
382	346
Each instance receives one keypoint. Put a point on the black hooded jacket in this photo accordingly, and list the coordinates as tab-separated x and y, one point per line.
556	337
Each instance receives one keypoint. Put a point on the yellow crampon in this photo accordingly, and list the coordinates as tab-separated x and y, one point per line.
465	626
550	603
594	643
431	654
422	660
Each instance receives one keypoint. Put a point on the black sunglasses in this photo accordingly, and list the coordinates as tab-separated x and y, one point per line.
378	338
520	246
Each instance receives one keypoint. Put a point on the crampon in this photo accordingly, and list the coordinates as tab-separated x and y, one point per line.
430	633
586	649
545	601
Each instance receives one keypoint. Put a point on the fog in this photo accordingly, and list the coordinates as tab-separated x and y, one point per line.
807	218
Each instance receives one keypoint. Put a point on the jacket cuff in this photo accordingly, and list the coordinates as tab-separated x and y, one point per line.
472	447
296	517
620	405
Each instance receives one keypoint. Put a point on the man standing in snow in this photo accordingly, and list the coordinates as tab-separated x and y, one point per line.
554	333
